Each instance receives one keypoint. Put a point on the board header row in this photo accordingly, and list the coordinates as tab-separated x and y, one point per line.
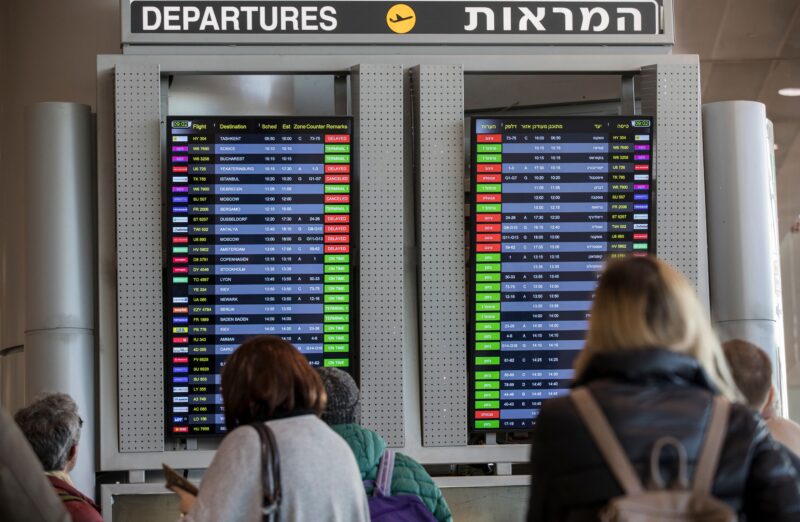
251	22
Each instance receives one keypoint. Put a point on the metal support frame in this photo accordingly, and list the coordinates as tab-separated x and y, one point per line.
439	127
628	95
678	93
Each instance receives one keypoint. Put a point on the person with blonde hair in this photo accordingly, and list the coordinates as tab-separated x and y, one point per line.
654	366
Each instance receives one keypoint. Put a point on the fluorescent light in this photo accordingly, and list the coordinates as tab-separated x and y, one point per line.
789	91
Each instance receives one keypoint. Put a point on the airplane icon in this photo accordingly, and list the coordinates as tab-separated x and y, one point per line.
399	19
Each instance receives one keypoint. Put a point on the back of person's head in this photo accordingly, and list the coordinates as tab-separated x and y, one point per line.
53	427
344	403
751	369
267	378
642	303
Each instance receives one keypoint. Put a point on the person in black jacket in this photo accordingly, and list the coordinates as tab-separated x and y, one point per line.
653	364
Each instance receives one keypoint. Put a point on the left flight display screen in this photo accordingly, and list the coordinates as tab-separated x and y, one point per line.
259	240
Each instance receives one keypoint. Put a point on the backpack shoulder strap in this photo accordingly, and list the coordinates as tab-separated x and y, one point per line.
383	482
271	471
606	441
712	446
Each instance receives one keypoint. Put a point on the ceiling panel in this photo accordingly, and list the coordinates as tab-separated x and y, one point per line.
791	47
705	77
786	73
696	25
754	29
788	185
785	134
735	81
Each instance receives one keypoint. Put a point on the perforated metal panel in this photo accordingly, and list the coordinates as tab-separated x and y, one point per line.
439	107
671	92
139	305
378	111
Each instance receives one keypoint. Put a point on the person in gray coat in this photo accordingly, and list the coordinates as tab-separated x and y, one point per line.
268	380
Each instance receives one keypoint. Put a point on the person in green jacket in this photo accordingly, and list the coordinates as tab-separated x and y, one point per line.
343	415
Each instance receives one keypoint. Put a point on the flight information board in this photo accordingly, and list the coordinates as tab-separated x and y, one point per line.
258	241
551	198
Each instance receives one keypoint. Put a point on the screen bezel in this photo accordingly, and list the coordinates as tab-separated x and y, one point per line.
355	348
472	230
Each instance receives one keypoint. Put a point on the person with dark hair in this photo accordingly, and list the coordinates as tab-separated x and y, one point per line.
343	414
53	428
752	371
652	373
267	380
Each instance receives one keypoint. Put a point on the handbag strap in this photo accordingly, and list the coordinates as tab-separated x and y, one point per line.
712	446
383	482
271	472
606	441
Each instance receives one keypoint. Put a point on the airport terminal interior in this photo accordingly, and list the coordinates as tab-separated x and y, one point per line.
430	250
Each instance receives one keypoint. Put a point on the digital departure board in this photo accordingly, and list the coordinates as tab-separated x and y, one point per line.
258	241
551	199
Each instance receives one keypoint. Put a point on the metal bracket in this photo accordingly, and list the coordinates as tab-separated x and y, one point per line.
502	468
136	476
628	95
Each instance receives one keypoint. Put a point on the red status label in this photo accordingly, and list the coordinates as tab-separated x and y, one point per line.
180	309
180	269
180	239
337	218
641	166
180	168
180	259
337	239
490	167
180	340
337	169
337	249
332	178
337	229
489	178
640	236
487	414
180	360
488	238
489	228
488	218
180	429
489	198
337	198
488	247
490	138
337	138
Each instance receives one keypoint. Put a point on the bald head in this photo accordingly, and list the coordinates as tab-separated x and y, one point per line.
751	369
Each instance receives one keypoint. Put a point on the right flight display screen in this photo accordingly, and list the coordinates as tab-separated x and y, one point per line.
551	199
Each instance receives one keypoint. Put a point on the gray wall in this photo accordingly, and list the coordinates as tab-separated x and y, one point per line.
467	504
47	53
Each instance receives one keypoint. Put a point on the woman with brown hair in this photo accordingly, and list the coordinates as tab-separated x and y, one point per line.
653	365
267	380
